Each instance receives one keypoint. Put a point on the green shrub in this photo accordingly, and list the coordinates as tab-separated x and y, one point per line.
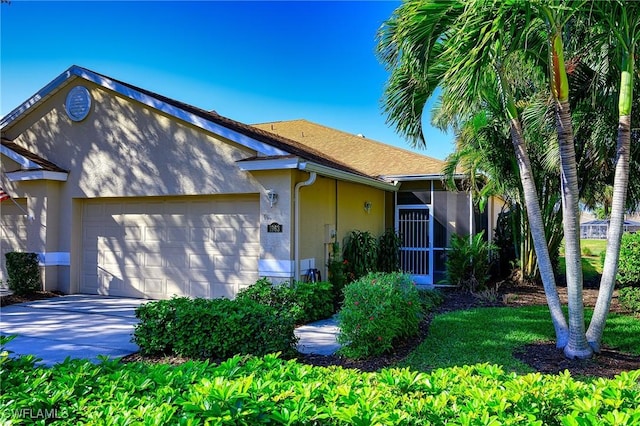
316	300
629	262
303	302
629	297
389	245
379	311
24	272
269	390
337	274
212	328
469	262
360	254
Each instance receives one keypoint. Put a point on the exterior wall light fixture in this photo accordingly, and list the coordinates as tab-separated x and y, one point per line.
272	196
367	206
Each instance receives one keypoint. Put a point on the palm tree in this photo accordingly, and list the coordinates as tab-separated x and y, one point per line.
621	20
466	49
461	47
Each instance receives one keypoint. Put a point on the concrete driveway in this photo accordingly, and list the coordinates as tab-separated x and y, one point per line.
76	326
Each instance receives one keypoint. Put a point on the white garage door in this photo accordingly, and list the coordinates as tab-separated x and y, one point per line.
13	231
160	247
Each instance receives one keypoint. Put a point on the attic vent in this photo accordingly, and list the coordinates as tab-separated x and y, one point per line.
78	103
360	135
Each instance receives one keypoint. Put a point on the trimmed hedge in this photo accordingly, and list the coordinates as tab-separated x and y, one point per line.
23	272
629	297
303	301
212	328
249	391
629	262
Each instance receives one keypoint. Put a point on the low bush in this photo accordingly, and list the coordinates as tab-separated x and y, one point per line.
629	297
268	390
629	262
303	301
379	310
212	328
23	272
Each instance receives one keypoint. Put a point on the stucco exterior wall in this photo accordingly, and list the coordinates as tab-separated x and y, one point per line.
122	149
333	207
352	215
317	223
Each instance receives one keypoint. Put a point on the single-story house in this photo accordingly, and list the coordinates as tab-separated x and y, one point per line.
126	192
599	228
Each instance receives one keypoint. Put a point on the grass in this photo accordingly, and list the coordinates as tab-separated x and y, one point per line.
591	265
492	334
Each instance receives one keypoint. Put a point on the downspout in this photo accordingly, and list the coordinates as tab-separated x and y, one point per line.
296	192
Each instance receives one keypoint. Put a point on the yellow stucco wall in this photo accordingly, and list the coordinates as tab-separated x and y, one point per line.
335	205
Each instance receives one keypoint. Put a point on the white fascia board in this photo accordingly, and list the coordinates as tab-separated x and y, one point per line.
179	113
346	176
269	164
42	94
23	175
155	103
20	159
406	178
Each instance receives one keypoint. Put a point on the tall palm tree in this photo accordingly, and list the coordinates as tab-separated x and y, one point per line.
621	20
461	46
556	14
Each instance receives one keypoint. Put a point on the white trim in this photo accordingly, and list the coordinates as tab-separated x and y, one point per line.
268	164
148	100
20	159
54	258
275	268
405	178
22	175
42	94
350	177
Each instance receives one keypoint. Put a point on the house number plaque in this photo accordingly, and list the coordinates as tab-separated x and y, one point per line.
274	227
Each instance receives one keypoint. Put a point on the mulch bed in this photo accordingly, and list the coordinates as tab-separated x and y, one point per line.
10	299
541	356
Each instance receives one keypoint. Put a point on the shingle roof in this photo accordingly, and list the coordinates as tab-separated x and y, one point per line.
365	155
309	141
44	164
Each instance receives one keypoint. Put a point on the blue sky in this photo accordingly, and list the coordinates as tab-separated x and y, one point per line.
250	61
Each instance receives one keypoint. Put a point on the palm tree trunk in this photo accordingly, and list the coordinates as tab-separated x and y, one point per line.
577	346
537	232
616	225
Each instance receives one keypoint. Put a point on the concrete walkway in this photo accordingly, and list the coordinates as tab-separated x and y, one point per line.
319	337
76	326
86	326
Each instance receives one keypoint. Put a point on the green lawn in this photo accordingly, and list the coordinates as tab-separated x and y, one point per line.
492	334
591	264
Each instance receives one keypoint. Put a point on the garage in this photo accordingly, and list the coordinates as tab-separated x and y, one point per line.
13	230
158	247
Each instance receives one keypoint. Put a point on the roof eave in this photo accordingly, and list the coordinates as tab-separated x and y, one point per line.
129	92
414	177
346	176
24	175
